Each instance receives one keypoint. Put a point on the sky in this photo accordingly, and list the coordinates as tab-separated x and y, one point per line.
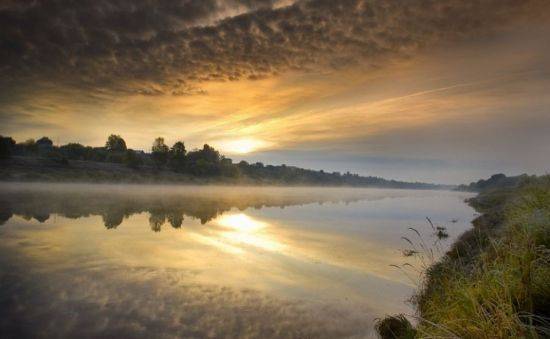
444	91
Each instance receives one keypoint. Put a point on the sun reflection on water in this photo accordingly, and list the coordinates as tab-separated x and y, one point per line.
241	223
239	231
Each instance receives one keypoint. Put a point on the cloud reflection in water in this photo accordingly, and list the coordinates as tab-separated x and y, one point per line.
222	269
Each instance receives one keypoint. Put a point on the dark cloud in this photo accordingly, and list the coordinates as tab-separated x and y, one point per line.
170	47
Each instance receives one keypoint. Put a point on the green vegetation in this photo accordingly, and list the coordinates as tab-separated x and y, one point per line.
43	161
395	327
496	181
115	143
495	280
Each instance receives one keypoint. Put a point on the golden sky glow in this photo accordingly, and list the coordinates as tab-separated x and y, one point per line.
242	146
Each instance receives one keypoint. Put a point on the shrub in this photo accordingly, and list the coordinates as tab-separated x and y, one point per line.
395	327
132	159
7	145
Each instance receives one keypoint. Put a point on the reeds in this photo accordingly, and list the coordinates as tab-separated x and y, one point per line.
499	285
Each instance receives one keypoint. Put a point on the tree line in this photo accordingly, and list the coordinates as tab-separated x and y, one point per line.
497	181
202	162
206	161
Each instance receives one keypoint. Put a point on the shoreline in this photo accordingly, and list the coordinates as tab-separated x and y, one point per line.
25	169
493	282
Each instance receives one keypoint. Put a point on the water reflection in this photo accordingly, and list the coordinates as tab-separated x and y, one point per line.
164	204
243	229
221	262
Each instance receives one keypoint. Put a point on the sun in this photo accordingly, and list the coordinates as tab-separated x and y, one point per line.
243	146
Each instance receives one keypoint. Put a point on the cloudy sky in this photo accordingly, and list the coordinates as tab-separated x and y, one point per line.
432	90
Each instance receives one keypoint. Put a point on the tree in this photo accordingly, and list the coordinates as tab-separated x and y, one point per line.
30	146
97	153
58	157
204	162
227	168
7	145
132	159
177	156
113	218
44	142
204	168
156	220
74	151
178	149
44	145
5	214
175	219
209	154
159	152
115	143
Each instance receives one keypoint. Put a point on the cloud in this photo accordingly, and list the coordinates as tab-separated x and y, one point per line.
366	79
172	47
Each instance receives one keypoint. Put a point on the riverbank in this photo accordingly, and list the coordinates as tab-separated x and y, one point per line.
495	280
40	169
34	169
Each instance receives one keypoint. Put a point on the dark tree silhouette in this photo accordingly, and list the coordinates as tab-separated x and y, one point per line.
115	143
132	159
7	145
30	146
74	151
156	220
208	162
44	142
209	154
177	156
159	152
204	162
178	149
113	218
495	181
175	219
5	214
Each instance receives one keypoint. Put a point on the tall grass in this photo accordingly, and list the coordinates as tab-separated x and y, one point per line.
504	290
495	281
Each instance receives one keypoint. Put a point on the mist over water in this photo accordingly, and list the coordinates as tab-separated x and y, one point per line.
190	261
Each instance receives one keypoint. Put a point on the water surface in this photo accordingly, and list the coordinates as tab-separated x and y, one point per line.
159	261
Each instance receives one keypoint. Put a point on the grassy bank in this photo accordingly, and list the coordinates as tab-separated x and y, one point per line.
495	280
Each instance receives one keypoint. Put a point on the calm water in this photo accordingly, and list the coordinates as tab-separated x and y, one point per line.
153	261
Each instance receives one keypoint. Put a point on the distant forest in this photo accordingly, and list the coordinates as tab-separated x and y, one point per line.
205	162
497	181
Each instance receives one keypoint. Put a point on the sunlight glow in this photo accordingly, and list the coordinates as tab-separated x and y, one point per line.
244	230
241	222
243	146
220	244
